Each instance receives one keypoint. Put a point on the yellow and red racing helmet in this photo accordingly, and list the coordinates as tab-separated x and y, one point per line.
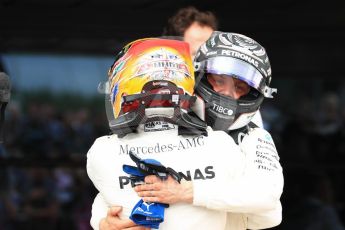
150	60
152	79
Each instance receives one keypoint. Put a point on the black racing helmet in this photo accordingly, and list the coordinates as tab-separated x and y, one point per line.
236	56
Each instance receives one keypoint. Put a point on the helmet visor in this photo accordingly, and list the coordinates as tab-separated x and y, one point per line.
235	68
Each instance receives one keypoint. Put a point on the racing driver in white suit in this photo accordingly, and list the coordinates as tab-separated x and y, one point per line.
224	186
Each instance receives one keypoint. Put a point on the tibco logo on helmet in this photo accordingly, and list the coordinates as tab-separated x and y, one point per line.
223	110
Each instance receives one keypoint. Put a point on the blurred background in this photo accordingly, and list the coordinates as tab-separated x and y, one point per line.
57	51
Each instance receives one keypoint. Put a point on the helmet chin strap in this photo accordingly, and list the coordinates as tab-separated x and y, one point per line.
242	121
238	134
199	107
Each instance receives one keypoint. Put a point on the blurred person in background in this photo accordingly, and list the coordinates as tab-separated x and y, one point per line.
311	203
193	25
7	209
41	206
5	94
328	133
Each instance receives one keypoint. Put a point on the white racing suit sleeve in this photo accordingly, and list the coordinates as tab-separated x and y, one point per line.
265	219
99	170
257	119
98	212
102	170
259	220
95	171
253	189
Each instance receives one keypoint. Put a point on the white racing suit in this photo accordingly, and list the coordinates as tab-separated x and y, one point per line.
235	186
